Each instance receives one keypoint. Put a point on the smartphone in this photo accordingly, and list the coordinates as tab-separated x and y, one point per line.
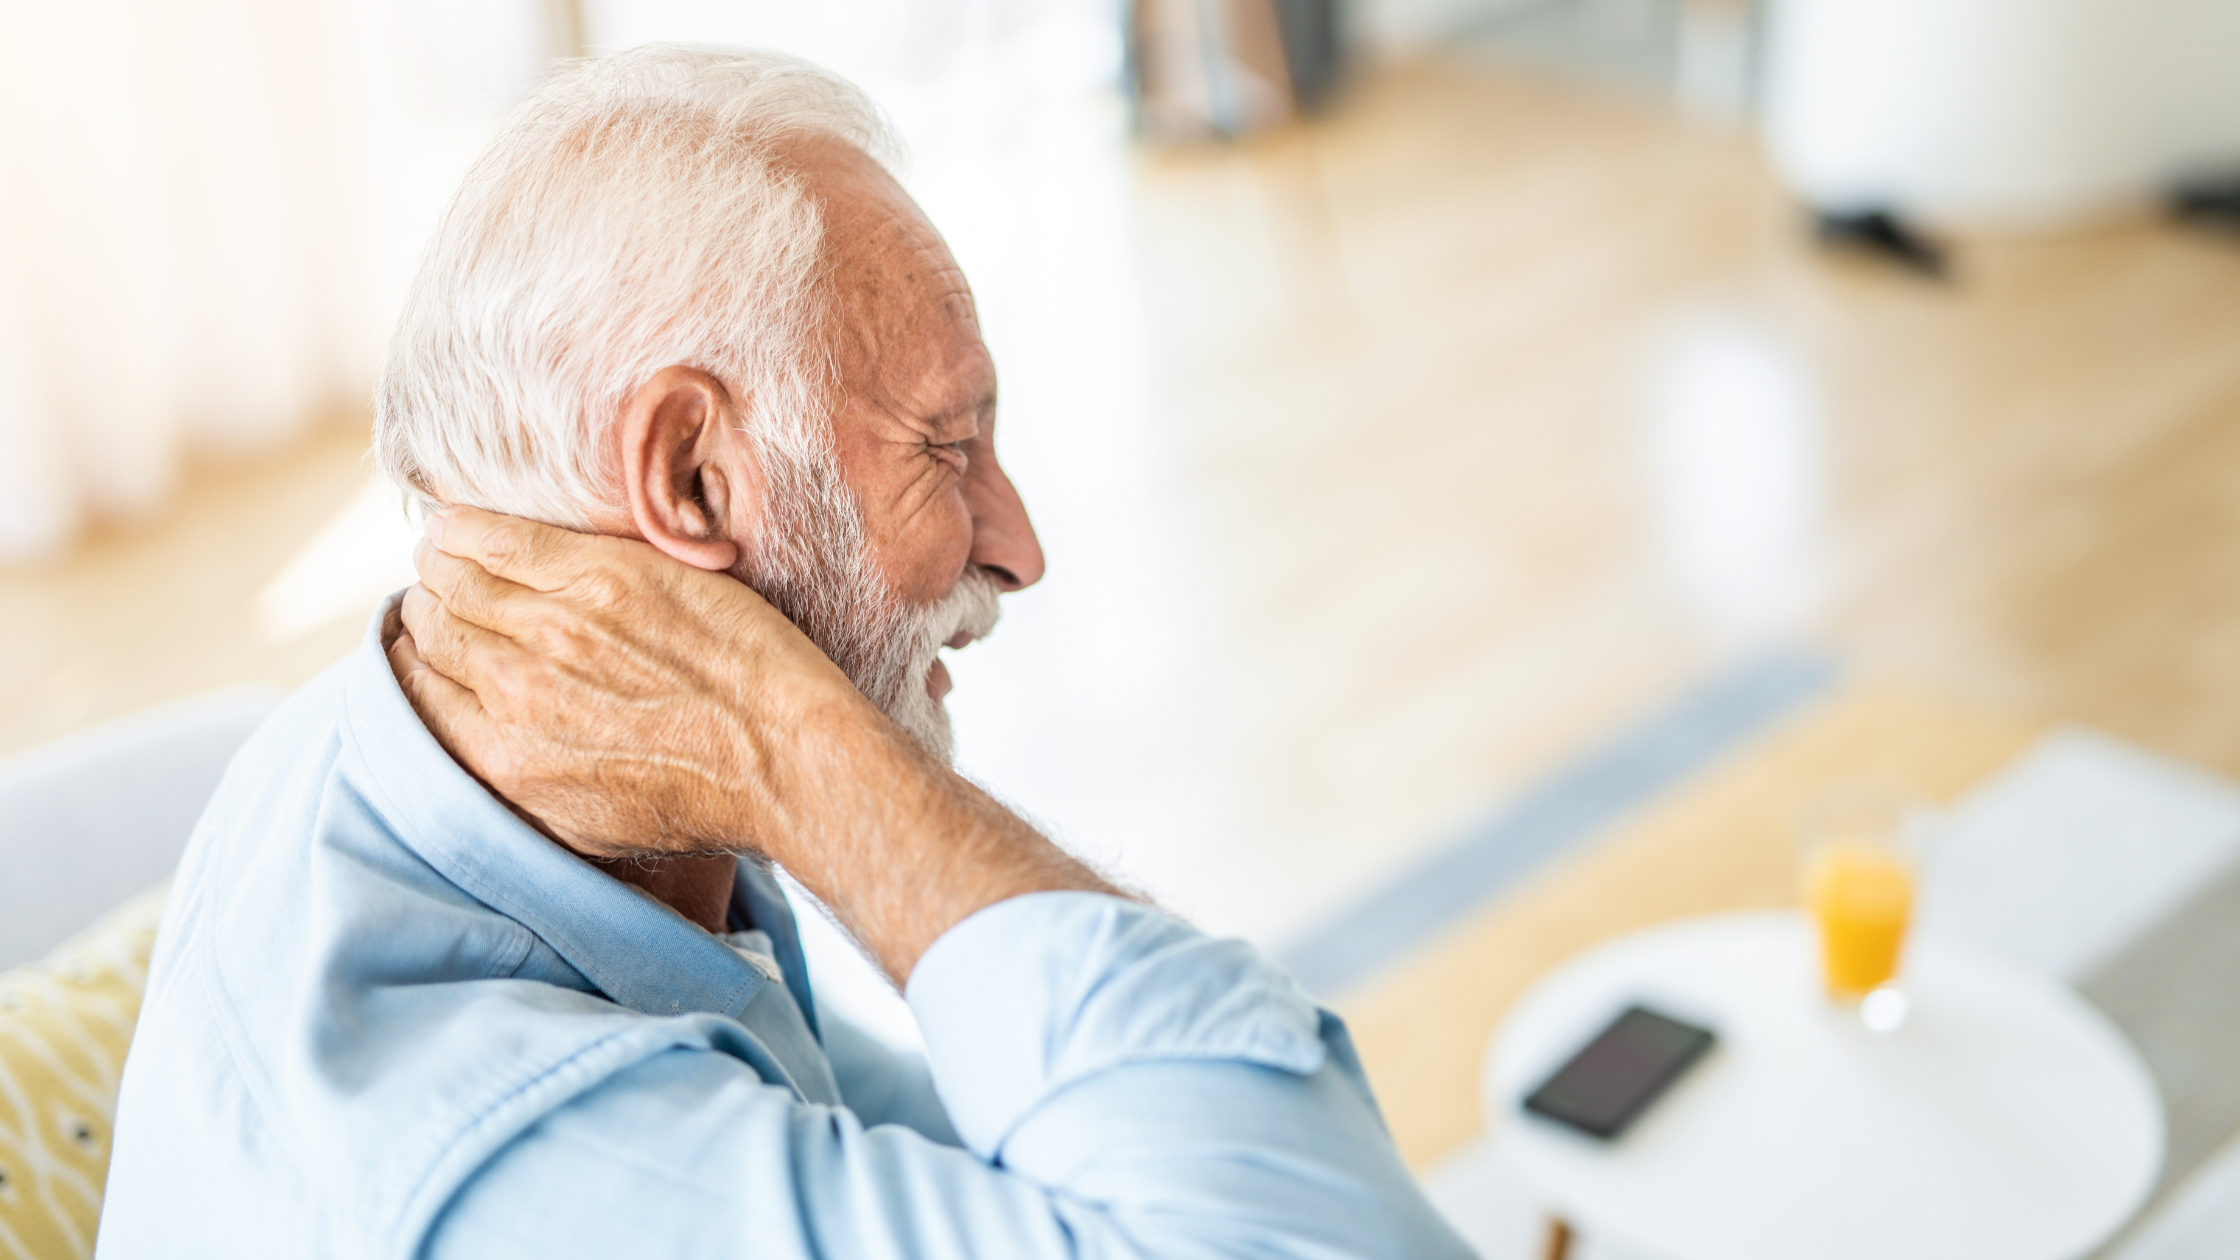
1606	1086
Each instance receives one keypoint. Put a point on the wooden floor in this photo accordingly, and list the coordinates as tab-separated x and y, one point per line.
1421	348
1507	409
1478	418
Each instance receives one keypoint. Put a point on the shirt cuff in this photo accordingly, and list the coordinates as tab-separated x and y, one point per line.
1039	992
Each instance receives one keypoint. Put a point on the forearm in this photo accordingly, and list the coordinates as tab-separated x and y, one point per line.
633	707
900	847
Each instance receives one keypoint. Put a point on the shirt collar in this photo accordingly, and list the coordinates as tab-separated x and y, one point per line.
758	901
634	949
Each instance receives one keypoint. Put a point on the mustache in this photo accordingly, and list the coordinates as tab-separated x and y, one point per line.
971	608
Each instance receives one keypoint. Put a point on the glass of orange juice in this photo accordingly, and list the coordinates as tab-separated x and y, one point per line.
1859	875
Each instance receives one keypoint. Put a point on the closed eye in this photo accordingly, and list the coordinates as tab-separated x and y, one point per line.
952	453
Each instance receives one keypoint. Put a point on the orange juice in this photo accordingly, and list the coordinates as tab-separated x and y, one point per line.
1861	894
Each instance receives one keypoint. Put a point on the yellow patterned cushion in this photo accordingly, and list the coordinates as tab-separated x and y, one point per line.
64	1024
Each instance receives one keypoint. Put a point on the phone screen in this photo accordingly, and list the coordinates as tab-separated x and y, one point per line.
1607	1085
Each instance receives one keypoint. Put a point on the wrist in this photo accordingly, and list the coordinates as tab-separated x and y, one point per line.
807	746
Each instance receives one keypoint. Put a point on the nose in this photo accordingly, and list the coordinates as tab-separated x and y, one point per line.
1003	541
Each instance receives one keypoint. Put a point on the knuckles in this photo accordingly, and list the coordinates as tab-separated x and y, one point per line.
414	611
601	587
565	644
504	685
503	542
501	767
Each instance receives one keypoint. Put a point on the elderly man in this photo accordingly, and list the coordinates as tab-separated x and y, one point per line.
478	953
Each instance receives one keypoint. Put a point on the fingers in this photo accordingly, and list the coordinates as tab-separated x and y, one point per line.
473	594
463	653
451	712
541	557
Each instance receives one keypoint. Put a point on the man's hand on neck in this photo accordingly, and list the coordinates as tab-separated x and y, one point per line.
638	707
697	886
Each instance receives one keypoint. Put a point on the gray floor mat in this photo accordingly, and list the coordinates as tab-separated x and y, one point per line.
2175	992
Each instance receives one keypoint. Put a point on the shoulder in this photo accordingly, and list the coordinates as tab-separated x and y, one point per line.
268	796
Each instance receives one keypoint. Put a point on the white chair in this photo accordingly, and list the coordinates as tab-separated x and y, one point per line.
91	819
2026	113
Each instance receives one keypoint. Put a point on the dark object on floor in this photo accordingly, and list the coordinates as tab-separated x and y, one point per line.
2214	203
1884	235
1229	68
1314	48
2171	992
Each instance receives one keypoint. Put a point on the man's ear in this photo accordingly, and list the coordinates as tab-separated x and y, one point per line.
679	453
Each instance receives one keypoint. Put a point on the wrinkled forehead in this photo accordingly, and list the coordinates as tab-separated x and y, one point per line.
901	297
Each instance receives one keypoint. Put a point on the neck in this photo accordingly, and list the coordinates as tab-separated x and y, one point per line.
697	887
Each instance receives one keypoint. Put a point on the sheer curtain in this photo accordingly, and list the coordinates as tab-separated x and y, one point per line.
207	208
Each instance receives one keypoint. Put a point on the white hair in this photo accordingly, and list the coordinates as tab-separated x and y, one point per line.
631	214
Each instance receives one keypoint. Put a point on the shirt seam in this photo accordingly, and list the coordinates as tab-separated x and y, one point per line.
484	1120
198	961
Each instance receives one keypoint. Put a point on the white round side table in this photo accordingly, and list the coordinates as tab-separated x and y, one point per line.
2006	1120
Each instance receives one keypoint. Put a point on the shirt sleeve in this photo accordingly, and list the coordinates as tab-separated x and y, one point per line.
1124	1086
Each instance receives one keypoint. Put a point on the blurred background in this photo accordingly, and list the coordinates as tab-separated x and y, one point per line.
1422	402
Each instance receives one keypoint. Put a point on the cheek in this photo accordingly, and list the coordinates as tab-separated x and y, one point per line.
921	559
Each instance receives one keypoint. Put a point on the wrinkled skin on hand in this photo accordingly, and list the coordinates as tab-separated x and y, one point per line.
629	705
626	704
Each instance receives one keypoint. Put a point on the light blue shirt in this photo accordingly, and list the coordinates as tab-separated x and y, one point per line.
385	1018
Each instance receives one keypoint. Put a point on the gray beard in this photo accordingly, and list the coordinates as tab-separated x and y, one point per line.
814	566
